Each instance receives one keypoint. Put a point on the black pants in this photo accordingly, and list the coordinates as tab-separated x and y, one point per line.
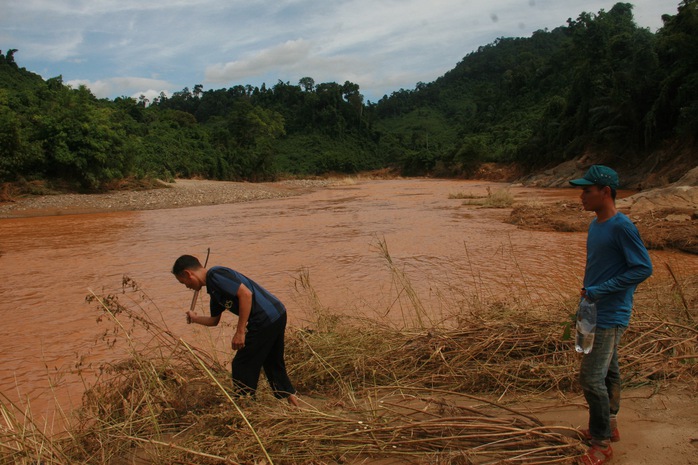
264	348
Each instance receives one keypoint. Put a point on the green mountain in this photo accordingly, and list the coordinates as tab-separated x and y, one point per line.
599	84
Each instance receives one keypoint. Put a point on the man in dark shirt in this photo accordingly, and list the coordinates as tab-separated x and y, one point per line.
259	337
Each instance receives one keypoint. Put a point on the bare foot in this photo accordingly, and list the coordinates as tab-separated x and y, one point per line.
293	400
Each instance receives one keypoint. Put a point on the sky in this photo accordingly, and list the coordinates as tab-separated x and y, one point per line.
144	47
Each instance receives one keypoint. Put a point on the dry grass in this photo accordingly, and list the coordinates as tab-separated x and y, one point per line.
418	392
382	174
500	198
464	195
12	191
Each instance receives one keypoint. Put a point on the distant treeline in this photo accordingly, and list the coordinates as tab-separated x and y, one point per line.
600	83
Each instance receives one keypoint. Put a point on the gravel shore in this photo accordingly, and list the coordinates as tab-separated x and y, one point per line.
182	193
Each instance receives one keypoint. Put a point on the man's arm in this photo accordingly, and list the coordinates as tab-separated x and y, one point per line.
244	309
203	320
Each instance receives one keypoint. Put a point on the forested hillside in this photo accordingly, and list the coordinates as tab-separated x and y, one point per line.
600	83
597	84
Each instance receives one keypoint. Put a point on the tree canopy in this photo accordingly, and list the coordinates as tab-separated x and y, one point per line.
599	82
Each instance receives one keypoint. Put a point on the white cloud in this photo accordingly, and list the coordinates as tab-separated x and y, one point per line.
382	45
150	94
125	86
288	55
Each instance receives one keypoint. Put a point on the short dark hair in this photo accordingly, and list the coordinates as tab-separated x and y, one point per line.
185	262
613	191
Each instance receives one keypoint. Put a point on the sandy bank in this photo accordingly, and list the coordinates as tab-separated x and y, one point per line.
182	193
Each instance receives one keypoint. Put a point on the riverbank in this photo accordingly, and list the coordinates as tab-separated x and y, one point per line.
29	200
667	217
178	194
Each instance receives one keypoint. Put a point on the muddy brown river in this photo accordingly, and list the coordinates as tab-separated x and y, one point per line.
449	252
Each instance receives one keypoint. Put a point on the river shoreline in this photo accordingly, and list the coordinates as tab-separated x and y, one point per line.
178	194
665	221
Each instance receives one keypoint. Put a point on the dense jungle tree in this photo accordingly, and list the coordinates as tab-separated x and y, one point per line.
675	110
598	83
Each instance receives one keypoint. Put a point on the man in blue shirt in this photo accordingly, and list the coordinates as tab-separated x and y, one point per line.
259	337
617	261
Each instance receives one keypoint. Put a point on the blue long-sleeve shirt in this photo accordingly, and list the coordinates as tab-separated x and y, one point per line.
617	261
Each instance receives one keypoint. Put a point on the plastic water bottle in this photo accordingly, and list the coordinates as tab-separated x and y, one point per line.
586	326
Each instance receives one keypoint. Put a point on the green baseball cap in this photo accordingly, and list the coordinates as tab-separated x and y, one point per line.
598	175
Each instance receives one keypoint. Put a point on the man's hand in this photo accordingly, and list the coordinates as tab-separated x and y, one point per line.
190	316
238	340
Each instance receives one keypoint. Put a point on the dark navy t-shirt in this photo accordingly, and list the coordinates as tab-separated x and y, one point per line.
222	285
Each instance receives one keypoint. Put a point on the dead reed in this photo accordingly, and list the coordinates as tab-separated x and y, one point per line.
497	357
500	198
373	392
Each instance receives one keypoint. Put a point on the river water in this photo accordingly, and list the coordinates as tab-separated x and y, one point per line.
449	251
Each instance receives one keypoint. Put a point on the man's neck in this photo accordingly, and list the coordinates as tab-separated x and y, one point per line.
606	213
201	275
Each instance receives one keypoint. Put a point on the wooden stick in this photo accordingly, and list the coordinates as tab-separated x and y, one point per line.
680	290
